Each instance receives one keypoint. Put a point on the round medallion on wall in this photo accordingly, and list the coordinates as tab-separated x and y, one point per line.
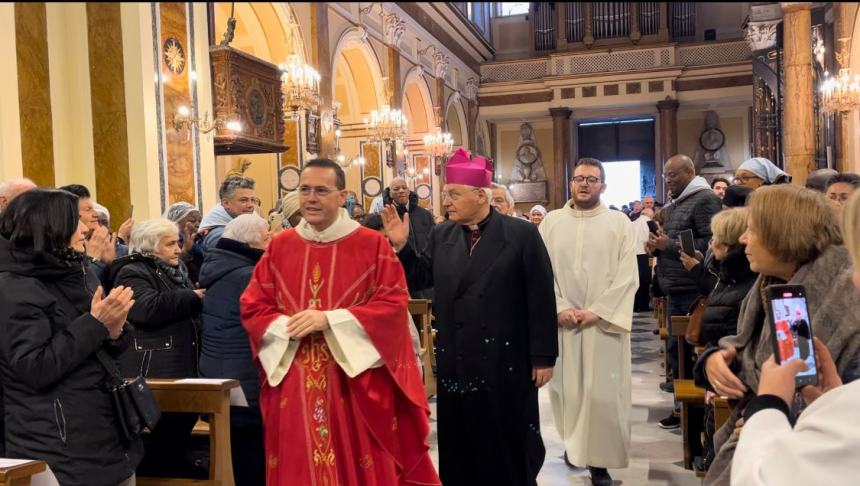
256	107
174	55
371	186
289	178
423	191
712	139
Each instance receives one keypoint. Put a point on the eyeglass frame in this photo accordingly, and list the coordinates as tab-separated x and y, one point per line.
742	179
590	180
321	191
454	197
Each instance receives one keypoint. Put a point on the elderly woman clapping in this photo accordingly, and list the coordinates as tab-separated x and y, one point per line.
166	321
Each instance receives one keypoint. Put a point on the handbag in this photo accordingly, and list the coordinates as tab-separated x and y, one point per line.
133	401
694	327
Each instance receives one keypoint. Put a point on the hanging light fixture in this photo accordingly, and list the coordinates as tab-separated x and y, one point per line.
439	146
300	84
387	126
841	93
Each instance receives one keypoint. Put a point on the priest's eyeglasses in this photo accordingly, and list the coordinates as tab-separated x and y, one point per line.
591	180
321	191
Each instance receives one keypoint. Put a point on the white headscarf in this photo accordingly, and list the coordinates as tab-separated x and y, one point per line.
538	208
764	169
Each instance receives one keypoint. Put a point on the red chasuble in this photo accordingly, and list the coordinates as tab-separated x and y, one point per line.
323	428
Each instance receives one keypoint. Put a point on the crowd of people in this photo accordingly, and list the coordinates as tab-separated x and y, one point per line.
308	311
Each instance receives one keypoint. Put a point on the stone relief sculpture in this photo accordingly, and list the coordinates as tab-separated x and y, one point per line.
712	155
528	165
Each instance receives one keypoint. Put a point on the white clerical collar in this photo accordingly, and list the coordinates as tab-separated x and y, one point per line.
596	210
340	228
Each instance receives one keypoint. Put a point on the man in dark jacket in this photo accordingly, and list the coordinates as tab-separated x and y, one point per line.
226	349
420	221
498	333
693	205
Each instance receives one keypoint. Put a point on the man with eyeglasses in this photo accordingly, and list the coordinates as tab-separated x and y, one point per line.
327	314
237	197
693	206
497	340
594	258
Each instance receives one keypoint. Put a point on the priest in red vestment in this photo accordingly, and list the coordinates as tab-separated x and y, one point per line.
342	399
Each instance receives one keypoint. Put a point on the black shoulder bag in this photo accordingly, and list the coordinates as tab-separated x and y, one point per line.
133	401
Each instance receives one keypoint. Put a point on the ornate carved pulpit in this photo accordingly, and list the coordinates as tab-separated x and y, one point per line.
248	90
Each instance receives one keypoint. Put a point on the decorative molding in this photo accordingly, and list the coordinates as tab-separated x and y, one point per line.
514	99
441	64
471	88
393	29
761	36
713	83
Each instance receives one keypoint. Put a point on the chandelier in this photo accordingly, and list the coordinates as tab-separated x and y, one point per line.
840	93
300	84
438	145
386	125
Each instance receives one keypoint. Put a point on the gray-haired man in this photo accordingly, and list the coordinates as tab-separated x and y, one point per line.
237	197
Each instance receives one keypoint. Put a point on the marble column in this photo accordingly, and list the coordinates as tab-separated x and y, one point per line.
668	115
799	149
321	59
561	154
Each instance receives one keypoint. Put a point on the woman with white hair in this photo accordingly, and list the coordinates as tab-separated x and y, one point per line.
537	213
187	218
226	349
165	316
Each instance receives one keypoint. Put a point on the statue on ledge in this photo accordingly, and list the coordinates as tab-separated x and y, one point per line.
528	166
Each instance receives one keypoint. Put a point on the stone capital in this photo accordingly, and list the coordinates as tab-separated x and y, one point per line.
669	104
762	35
789	7
471	88
560	112
392	28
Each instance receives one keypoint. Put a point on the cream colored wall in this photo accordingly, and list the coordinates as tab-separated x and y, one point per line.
71	105
734	122
508	139
264	171
10	121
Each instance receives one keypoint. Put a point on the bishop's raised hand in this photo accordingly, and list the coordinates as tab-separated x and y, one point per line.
396	228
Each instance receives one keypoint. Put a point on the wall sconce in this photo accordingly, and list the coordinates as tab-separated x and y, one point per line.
185	118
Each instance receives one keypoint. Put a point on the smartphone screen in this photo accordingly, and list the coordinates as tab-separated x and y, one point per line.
792	329
687	244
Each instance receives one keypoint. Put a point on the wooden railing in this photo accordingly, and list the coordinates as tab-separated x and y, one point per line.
565	25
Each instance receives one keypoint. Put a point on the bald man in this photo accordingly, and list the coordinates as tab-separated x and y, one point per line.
13	188
693	205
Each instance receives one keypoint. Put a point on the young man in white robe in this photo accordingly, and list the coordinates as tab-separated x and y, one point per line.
594	262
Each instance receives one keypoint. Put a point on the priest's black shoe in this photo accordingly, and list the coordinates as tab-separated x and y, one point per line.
671	422
569	464
600	476
668	386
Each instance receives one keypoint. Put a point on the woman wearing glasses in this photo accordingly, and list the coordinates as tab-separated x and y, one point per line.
757	172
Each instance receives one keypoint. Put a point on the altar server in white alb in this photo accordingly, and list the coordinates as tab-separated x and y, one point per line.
594	261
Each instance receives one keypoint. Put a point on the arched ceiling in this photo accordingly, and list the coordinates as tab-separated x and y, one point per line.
262	30
416	108
455	127
356	88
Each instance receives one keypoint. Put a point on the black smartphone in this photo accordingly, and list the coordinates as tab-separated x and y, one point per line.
791	328
687	244
652	227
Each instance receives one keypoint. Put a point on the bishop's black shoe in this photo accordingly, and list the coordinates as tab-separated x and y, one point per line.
567	461
600	476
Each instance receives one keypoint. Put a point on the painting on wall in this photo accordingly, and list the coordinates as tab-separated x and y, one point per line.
371	172
313	132
290	162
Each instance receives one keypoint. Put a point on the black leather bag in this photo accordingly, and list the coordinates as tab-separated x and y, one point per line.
134	402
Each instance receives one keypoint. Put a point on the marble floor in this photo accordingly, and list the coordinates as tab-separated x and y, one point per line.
655	453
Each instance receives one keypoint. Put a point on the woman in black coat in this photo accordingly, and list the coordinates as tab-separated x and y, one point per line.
57	406
226	350
726	279
164	340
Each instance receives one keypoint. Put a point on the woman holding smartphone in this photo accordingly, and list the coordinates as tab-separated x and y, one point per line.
791	237
821	447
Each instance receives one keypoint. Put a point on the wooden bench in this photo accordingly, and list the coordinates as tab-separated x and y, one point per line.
420	310
18	472
692	400
211	397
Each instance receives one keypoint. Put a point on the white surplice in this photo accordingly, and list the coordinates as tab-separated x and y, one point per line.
594	261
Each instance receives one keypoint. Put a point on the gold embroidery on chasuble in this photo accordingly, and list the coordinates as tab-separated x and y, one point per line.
273	461
316	283
365	462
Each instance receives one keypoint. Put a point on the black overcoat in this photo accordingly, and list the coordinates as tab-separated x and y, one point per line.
496	319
